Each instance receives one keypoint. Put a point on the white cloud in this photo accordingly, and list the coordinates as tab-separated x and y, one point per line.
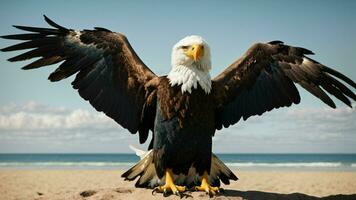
325	122
293	130
35	117
40	128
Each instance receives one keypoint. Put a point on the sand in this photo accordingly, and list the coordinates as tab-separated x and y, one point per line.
106	184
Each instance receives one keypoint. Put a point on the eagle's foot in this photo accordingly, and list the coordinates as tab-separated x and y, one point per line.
211	191
165	189
169	186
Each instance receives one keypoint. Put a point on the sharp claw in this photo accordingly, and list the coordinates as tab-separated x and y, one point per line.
166	190
211	194
165	193
178	194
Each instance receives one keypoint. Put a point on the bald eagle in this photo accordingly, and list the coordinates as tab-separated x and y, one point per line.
183	109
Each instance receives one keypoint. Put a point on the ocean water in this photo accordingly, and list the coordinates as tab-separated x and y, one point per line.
306	162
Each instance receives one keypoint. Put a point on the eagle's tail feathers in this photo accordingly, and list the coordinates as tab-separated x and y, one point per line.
220	171
145	169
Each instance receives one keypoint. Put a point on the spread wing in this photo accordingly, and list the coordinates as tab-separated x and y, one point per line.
263	79
109	74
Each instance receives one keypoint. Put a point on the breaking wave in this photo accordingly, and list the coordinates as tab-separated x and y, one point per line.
289	164
66	164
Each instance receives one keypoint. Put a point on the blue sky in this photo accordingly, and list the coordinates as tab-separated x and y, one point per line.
39	116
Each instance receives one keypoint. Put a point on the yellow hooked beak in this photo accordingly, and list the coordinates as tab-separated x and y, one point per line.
195	52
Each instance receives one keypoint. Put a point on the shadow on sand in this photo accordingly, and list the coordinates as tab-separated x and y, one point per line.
257	195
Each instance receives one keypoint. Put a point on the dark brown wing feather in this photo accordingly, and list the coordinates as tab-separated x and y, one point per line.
263	79
109	74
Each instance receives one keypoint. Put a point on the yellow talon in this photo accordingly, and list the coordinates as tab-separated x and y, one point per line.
169	185
212	191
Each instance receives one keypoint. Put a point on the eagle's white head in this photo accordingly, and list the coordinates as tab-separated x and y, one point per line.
191	64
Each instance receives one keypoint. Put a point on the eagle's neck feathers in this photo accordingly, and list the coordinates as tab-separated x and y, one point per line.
190	77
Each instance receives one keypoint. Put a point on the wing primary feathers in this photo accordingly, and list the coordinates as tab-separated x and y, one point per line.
70	67
52	23
31	44
334	91
45	51
104	62
48	31
340	76
43	62
26	36
319	93
340	86
267	74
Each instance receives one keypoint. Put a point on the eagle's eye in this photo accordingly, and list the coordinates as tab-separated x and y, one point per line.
185	47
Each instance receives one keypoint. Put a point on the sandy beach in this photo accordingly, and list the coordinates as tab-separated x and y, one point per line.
107	184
